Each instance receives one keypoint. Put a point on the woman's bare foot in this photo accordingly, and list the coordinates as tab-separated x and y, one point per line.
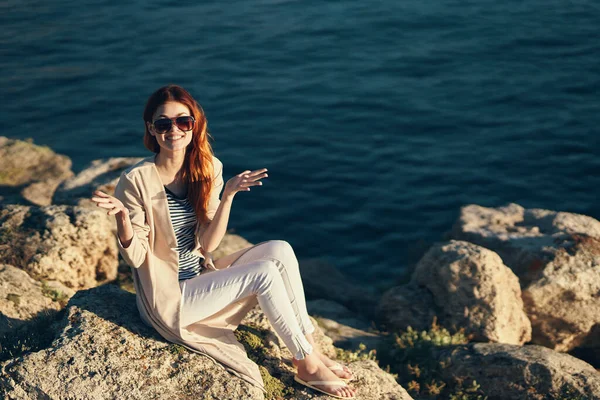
345	373
315	370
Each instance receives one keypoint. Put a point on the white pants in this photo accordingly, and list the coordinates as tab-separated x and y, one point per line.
267	270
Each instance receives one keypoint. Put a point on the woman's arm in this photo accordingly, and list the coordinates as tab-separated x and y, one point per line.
214	233
132	229
219	210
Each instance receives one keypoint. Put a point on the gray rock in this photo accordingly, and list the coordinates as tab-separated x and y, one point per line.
556	256
323	281
29	174
475	290
521	372
71	245
470	288
99	175
103	350
22	298
345	328
407	305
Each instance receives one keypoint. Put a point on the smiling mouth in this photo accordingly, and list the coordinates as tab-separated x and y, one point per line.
174	138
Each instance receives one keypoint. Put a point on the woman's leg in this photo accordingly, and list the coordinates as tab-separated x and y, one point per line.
287	263
206	294
290	272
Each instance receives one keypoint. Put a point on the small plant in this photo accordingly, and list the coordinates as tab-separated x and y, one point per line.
412	355
256	348
56	295
177	349
357	355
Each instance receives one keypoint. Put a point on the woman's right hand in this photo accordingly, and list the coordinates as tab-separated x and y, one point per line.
243	181
114	205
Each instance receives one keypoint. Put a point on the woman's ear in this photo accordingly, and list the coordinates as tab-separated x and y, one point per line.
149	127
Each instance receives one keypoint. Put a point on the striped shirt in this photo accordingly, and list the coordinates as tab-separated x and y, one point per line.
184	222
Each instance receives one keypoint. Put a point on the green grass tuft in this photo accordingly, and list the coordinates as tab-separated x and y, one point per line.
410	354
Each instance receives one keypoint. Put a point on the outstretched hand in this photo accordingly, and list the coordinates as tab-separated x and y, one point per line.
113	204
242	181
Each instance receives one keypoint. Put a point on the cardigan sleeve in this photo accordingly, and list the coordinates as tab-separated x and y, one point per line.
217	186
128	193
213	202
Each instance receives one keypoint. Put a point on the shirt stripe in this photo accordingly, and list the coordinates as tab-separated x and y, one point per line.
184	223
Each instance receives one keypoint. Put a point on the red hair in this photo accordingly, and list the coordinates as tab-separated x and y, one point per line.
197	170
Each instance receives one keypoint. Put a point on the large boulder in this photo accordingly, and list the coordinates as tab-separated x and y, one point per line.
102	350
525	239
556	255
99	175
470	287
22	298
72	245
30	173
521	372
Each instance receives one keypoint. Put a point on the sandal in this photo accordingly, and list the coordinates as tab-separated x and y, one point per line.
340	367
311	383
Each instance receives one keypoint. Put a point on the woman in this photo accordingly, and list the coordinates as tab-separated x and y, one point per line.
169	220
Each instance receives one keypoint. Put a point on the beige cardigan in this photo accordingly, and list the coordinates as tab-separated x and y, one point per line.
154	262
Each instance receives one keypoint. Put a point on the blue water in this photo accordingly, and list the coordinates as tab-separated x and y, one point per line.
377	120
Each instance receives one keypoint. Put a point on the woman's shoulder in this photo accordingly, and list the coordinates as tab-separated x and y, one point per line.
140	167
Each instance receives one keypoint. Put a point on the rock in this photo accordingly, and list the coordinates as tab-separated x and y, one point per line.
407	306
29	173
22	298
534	372
556	256
323	281
475	290
345	328
230	244
99	175
103	349
525	239
371	383
471	288
71	245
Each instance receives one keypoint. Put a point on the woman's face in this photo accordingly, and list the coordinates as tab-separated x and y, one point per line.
174	139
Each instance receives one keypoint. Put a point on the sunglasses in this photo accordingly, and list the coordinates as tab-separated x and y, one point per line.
185	123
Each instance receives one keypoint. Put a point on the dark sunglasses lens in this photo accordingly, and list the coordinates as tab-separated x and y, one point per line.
185	123
162	125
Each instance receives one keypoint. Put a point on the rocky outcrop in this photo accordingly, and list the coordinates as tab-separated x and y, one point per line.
521	372
29	174
323	281
22	298
469	287
99	175
346	329
72	245
103	350
556	256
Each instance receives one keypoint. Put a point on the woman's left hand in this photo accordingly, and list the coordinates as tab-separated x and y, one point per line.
242	182
208	262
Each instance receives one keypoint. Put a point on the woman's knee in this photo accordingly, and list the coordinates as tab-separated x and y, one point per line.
282	251
266	271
